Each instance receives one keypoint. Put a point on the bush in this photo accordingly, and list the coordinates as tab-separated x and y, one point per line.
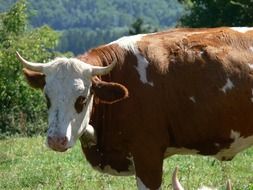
22	106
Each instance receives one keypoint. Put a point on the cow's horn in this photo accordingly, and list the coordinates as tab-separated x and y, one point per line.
175	182
103	70
229	186
29	65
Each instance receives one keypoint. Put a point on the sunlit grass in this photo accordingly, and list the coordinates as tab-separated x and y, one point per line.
25	163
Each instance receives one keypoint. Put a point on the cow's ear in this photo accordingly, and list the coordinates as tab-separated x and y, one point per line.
109	92
35	79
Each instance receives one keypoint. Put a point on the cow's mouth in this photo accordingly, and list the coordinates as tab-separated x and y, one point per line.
57	144
59	149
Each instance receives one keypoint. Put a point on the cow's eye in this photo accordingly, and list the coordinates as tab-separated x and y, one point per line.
80	102
48	101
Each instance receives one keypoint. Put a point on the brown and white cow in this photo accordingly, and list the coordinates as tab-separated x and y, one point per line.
181	91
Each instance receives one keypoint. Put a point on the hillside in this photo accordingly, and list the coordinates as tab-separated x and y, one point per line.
90	22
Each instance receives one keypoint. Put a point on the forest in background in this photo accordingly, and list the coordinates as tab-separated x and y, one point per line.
203	13
84	24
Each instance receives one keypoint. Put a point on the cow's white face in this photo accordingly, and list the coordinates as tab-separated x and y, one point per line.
69	86
69	100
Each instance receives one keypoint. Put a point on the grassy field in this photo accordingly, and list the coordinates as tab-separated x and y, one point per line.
25	163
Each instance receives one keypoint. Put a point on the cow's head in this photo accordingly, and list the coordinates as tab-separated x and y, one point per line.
69	86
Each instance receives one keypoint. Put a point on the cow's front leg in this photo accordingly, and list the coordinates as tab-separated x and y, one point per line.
148	167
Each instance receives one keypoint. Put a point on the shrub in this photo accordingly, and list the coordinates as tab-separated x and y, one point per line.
22	106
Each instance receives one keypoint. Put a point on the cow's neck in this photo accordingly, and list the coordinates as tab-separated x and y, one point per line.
104	55
103	154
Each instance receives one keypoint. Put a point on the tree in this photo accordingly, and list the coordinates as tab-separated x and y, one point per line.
138	27
21	105
207	13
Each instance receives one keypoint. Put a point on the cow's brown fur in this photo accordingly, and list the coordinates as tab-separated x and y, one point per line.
183	63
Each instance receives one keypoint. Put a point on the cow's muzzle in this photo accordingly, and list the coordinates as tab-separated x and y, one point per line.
57	143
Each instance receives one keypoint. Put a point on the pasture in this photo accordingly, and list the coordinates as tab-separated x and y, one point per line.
25	163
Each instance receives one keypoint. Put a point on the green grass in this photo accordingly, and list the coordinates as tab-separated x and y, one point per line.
25	163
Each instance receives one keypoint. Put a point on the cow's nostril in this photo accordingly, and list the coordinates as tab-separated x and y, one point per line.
57	142
64	141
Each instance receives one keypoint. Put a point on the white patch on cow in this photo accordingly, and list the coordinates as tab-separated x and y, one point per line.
240	143
242	29
109	170
192	98
201	53
89	137
68	132
142	69
172	150
228	86
129	43
140	184
251	48
250	65
252	95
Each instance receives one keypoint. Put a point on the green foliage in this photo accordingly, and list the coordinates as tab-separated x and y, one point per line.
25	163
202	13
138	27
21	106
